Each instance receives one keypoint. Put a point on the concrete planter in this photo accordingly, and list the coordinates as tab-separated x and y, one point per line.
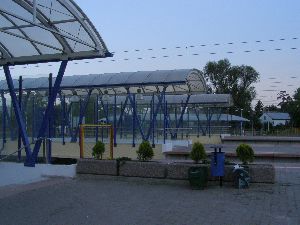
143	169
259	173
100	167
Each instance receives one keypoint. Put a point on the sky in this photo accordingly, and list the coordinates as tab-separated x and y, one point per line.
244	31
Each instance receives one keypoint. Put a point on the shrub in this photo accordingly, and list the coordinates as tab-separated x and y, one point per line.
245	153
98	150
145	151
198	152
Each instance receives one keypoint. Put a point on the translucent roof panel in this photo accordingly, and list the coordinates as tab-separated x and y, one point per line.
46	30
173	81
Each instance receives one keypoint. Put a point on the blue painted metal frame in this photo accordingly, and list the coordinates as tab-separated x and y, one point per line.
4	117
3	122
21	108
81	115
180	121
7	116
49	110
19	116
136	118
158	106
49	144
115	120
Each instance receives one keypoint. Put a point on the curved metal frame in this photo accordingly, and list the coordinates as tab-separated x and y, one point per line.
96	50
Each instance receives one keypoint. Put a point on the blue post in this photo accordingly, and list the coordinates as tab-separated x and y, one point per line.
175	135
7	115
82	114
20	105
115	121
49	145
123	107
49	109
158	106
32	120
4	113
3	120
209	121
121	123
165	114
180	122
19	117
63	119
134	107
133	120
97	116
153	121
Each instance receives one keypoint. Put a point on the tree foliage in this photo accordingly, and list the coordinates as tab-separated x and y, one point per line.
291	105
234	80
258	111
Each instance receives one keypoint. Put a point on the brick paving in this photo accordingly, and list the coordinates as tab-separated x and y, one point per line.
115	200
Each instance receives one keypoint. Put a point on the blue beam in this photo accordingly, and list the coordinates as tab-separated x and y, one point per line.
4	115
63	117
82	114
123	107
49	144
180	121
115	120
19	117
137	120
20	105
158	106
49	110
152	122
3	122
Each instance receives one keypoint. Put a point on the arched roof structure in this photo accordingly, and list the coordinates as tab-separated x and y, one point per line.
34	31
176	82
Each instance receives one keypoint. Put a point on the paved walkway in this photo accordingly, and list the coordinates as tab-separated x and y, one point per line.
112	200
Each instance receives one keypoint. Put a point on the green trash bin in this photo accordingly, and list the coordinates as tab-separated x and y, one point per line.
198	177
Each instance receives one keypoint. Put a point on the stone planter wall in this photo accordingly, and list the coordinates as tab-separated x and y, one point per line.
101	167
259	173
142	169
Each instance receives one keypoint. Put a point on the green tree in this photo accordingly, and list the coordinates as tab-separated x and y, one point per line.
234	80
258	111
285	101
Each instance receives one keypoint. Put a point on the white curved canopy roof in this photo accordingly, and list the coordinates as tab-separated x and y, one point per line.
50	30
176	81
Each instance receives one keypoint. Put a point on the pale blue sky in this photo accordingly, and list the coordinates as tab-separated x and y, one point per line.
156	24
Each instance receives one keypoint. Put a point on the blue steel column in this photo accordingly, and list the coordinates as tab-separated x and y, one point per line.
63	119
32	120
156	111
153	121
82	114
165	122
49	109
4	113
133	120
3	120
7	115
115	120
20	105
19	117
49	144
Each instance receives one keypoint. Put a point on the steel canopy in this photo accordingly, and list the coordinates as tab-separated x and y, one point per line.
50	30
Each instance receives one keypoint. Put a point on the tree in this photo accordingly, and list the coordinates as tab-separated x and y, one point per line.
234	80
258	111
285	101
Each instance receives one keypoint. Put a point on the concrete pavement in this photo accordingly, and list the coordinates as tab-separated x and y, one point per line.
115	200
